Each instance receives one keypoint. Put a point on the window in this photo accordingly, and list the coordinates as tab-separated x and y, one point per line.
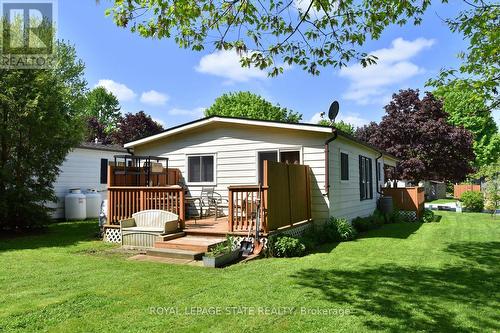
344	166
201	169
104	170
285	156
365	178
290	157
379	171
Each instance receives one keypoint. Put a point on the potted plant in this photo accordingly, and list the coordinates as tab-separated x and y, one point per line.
222	254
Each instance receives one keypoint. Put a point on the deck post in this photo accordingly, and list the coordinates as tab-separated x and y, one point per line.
141	200
182	210
230	209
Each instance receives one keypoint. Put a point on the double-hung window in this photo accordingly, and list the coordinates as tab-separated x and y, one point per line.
201	169
365	178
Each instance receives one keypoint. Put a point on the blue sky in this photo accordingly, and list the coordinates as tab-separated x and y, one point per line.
174	85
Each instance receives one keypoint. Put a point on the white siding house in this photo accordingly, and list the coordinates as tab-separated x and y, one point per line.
221	151
85	167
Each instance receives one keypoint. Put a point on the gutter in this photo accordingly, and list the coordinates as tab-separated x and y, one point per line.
327	161
376	176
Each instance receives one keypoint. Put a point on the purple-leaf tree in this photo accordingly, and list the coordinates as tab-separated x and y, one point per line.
417	132
97	130
136	126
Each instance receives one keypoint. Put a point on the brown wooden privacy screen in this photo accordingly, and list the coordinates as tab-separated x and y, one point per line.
285	199
138	178
458	190
289	194
407	198
123	201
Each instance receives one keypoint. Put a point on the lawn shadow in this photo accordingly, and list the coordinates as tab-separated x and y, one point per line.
392	297
55	235
395	230
324	248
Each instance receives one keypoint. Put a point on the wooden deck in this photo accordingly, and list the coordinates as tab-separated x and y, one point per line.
207	226
210	227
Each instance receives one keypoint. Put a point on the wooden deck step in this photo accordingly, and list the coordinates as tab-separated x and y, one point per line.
175	253
190	243
172	236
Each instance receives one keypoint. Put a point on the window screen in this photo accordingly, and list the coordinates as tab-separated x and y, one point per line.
201	169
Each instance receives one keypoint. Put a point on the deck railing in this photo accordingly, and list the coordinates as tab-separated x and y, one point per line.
285	199
243	208
123	201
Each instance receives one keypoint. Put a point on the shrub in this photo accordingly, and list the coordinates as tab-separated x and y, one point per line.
378	218
492	194
371	222
473	201
284	246
345	230
363	224
428	216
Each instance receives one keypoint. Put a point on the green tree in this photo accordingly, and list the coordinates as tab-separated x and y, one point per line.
341	125
480	67
244	104
40	121
309	33
491	175
104	107
470	110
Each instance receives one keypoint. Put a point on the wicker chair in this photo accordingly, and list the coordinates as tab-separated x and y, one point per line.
143	229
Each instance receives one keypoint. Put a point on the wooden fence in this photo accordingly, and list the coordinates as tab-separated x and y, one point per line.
285	199
407	198
123	201
458	190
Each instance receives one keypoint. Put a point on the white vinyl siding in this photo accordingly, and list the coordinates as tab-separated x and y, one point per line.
236	148
81	169
345	195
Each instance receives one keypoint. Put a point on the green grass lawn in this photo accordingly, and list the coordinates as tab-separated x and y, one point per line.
441	276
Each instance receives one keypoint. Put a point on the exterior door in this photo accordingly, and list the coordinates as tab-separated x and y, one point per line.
271	155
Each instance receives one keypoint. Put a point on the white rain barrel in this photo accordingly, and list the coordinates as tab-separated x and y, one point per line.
94	200
75	207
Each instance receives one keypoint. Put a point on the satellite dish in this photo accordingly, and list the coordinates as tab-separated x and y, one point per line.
333	111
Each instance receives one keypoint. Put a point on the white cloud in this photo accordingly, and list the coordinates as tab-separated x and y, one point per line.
350	117
226	64
161	122
353	119
154	98
302	5
371	85
120	90
315	118
193	113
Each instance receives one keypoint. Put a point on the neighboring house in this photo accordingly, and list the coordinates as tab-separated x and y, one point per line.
85	167
222	151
